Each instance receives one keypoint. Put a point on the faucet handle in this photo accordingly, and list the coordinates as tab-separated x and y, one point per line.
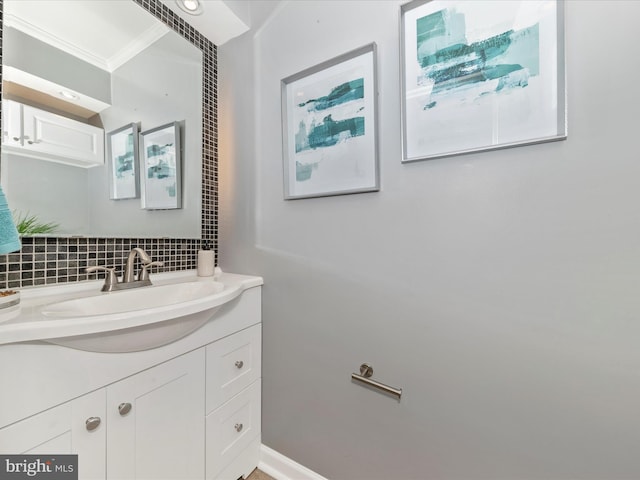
144	273
110	280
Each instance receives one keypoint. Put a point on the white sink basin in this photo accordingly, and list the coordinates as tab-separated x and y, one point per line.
137	299
141	318
81	317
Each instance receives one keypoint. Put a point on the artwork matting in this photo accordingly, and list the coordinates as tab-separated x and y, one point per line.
329	124
161	165
481	75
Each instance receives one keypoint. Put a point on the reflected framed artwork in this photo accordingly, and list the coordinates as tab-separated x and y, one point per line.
161	168
329	124
481	75
122	145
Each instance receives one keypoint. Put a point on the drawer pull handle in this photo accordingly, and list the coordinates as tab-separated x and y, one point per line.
238	427
92	423
124	408
239	364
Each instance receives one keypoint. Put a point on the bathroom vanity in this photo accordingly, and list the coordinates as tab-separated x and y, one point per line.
188	409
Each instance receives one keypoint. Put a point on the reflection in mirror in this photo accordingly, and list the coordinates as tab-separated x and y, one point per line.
150	77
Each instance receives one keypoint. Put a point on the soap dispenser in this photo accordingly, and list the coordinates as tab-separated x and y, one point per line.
206	261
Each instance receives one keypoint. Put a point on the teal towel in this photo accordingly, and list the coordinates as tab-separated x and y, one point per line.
9	239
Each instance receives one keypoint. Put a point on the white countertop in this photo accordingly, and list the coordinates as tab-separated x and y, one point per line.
25	322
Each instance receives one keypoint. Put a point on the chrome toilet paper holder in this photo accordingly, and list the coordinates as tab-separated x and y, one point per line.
366	372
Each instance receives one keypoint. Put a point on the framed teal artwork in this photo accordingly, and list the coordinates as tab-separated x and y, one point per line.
122	154
481	75
329	124
161	167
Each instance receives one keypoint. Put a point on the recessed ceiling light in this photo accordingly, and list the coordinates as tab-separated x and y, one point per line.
192	7
68	95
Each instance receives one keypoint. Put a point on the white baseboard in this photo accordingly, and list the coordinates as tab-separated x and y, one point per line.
283	468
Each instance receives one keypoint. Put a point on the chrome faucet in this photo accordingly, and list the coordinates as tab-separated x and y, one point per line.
111	282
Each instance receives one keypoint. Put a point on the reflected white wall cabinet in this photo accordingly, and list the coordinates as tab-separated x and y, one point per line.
44	135
12	124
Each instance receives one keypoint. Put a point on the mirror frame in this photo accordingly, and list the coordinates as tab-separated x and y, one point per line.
31	265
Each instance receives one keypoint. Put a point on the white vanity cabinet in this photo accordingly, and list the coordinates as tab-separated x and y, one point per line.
150	425
185	411
154	422
233	403
76	427
150	416
36	133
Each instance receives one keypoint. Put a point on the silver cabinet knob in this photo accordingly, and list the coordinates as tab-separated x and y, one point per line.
238	427
124	408
16	139
92	423
239	364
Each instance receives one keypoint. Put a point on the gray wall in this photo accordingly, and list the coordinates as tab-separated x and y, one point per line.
32	194
42	60
499	289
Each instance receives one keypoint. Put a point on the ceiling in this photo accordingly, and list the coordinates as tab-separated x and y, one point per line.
220	20
105	33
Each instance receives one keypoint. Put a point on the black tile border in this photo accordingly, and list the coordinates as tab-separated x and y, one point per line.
55	260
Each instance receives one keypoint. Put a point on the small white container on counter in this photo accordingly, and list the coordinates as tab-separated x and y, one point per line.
206	261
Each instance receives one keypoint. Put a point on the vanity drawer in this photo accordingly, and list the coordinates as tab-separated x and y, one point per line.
233	363
231	428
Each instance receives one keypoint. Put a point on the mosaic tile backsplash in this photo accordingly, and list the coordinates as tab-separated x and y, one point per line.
46	261
54	260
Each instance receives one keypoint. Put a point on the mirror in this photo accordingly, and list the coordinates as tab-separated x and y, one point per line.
151	77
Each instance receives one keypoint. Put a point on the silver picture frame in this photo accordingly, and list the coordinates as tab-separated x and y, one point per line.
330	127
161	168
475	79
123	162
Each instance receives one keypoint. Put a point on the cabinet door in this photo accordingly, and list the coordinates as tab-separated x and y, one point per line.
156	422
11	123
66	140
75	427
